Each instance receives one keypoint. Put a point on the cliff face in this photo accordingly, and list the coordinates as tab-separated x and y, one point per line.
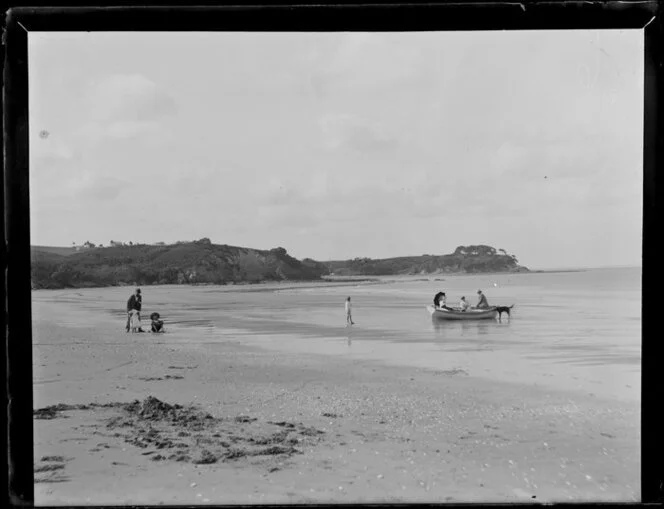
465	259
182	263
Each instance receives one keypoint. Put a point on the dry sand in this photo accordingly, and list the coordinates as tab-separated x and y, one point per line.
147	419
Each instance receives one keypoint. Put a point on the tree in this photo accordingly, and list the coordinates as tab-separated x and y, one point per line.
278	251
64	276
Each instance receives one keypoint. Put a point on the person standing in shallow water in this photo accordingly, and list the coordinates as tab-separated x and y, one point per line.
134	303
349	315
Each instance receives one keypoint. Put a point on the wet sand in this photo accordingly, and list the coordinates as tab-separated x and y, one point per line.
181	419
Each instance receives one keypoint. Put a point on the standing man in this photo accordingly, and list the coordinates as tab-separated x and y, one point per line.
134	304
482	303
349	317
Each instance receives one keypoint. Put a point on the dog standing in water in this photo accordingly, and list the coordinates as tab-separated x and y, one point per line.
504	309
349	315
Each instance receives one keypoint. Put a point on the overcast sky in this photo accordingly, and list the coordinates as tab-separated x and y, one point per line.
342	144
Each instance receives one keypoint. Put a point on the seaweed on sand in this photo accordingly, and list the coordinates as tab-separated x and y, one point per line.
55	411
49	467
186	434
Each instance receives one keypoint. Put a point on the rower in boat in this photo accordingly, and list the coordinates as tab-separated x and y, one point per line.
482	303
463	305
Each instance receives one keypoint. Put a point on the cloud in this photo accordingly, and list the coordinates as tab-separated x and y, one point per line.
341	131
123	97
358	61
129	129
102	189
125	106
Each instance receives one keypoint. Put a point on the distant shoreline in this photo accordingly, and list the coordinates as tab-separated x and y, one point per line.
585	269
327	281
556	271
334	281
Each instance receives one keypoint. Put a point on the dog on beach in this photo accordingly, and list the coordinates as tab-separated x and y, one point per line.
504	309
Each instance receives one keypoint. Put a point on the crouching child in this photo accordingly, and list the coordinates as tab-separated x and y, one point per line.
157	324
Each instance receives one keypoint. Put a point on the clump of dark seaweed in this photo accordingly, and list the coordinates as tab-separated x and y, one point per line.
55	411
153	409
186	434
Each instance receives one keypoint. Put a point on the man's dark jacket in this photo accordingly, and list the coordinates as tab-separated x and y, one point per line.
134	302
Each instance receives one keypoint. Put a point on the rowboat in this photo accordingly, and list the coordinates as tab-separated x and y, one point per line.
471	314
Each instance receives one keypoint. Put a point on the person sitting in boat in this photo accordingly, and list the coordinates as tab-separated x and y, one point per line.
157	324
442	302
463	305
439	301
482	303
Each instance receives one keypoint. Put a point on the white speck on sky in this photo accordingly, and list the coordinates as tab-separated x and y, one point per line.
337	145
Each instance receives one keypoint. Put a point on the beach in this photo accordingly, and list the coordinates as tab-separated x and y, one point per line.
260	394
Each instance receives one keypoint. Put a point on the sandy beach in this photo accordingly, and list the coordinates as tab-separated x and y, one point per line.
191	417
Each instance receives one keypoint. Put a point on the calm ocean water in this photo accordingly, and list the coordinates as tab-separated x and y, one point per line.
597	312
581	328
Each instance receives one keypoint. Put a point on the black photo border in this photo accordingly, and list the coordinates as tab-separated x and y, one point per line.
346	16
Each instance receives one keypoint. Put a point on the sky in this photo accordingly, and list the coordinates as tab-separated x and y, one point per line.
342	145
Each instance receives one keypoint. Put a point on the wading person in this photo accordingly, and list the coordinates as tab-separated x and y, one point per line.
349	317
134	306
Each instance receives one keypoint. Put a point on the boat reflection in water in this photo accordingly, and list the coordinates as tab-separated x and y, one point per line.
463	327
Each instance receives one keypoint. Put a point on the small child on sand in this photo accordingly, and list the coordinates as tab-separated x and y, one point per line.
349	317
157	324
135	321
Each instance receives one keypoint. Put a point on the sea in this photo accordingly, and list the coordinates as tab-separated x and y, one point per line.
569	330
